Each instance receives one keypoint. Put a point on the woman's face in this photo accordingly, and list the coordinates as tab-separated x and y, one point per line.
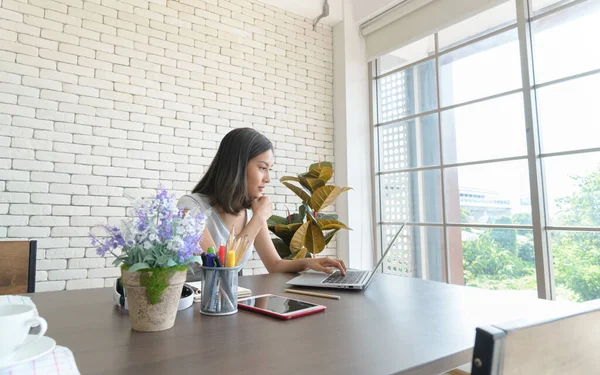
257	173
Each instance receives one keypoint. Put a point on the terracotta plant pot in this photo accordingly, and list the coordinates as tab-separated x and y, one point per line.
148	317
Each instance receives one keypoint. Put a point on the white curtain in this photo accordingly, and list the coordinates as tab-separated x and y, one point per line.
416	19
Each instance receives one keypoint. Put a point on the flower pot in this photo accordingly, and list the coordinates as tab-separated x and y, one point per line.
145	315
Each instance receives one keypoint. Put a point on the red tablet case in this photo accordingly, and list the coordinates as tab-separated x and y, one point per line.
297	314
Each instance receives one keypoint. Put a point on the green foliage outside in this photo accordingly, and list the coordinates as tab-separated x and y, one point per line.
504	258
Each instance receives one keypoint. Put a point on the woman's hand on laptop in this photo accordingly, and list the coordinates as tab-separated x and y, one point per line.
327	265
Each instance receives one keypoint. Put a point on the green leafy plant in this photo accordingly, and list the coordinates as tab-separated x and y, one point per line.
308	231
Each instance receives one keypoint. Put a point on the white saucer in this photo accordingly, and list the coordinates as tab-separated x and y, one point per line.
30	351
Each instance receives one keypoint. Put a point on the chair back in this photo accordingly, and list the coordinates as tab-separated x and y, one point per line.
567	343
17	267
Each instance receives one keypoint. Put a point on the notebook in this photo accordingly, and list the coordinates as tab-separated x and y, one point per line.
354	279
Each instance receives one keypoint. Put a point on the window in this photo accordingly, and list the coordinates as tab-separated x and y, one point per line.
454	161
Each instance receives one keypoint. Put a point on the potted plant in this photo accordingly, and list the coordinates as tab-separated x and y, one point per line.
307	232
158	243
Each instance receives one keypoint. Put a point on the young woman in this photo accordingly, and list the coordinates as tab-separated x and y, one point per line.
233	187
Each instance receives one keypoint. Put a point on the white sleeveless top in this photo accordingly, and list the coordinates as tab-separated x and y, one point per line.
216	227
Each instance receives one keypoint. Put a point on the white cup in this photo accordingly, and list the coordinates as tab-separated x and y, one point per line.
15	323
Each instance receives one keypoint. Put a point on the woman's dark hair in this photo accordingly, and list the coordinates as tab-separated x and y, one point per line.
225	180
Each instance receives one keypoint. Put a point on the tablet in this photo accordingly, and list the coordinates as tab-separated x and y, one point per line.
278	306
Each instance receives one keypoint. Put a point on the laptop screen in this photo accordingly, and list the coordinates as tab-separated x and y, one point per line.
386	251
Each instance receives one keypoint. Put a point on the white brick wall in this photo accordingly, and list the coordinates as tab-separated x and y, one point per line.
101	100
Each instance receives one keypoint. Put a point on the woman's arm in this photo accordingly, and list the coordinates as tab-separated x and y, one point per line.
207	240
269	256
273	262
257	226
250	230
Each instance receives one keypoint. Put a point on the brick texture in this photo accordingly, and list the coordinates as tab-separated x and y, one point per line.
104	100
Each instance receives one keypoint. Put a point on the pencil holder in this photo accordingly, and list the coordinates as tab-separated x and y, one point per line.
219	290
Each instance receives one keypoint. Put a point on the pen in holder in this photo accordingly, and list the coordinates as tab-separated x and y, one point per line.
219	290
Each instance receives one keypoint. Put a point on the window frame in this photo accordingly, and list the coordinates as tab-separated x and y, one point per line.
452	263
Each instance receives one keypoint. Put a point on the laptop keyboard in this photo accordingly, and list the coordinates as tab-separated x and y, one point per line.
352	277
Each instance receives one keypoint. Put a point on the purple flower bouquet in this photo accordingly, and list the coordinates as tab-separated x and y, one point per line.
156	235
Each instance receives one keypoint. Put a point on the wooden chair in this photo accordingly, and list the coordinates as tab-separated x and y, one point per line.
17	267
459	371
565	344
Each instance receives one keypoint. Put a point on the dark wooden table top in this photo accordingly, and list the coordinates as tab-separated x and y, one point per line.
398	325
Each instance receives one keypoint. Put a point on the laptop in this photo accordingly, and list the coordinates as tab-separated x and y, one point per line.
354	279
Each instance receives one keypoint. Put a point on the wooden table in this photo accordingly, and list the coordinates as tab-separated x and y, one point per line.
398	325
